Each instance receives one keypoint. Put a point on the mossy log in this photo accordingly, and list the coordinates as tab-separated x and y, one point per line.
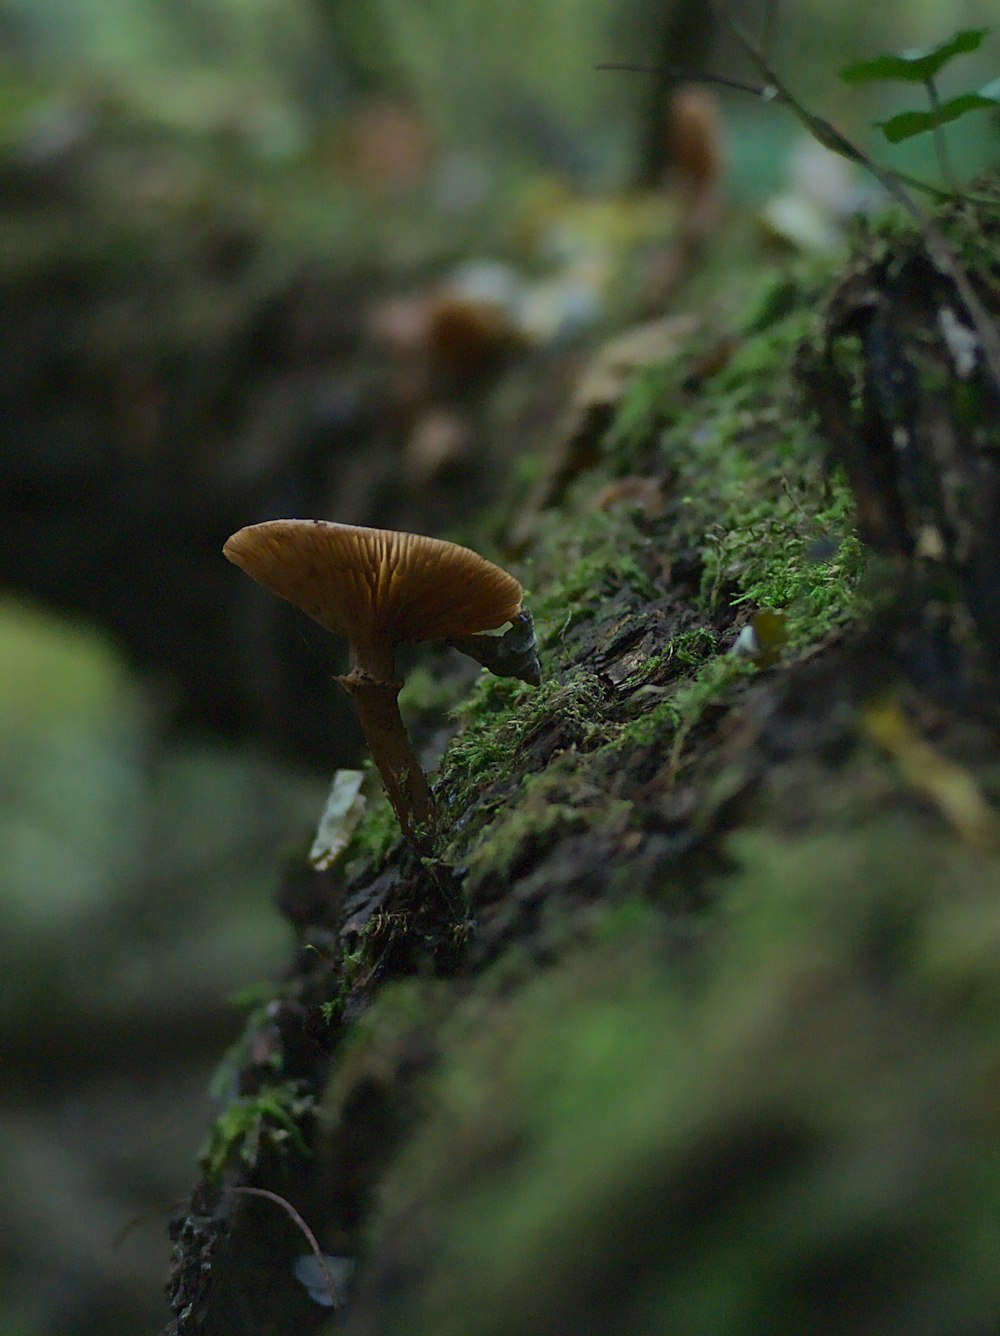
693	1025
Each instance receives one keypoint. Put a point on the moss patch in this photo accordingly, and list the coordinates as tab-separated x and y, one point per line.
633	1143
756	520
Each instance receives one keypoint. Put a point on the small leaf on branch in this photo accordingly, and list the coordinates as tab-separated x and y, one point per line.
918	65
909	123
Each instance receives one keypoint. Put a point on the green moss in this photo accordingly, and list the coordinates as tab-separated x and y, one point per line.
758	495
375	835
752	498
690	647
624	1146
557	802
749	499
680	706
255	999
646	1138
494	718
273	1118
752	492
644	406
502	718
583	562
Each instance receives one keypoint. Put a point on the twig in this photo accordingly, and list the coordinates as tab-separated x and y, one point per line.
893	183
144	1219
310	1237
680	72
940	140
818	127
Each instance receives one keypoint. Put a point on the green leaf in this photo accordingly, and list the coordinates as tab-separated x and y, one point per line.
910	123
918	65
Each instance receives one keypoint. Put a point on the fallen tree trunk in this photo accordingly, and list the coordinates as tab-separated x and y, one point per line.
691	1025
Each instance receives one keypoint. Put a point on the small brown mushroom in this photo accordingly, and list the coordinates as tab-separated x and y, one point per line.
377	587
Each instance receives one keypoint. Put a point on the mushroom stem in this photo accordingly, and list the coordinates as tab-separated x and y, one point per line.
405	783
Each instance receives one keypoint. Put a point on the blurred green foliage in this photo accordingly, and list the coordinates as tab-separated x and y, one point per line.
137	877
792	1134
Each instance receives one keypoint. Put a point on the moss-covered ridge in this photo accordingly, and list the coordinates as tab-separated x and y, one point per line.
697	1029
636	615
748	1093
638	612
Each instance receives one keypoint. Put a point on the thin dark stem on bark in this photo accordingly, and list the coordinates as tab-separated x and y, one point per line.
309	1236
680	72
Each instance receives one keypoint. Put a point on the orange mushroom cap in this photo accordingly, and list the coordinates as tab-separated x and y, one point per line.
376	584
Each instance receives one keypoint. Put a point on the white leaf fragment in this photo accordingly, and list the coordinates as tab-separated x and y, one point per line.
746	643
961	342
345	805
309	1273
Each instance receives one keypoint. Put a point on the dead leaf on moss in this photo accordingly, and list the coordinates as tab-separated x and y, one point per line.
344	808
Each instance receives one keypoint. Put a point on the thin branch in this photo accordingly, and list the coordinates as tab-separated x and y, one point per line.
937	243
893	183
820	129
690	76
940	139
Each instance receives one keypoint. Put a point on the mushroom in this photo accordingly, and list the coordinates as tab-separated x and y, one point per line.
376	588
